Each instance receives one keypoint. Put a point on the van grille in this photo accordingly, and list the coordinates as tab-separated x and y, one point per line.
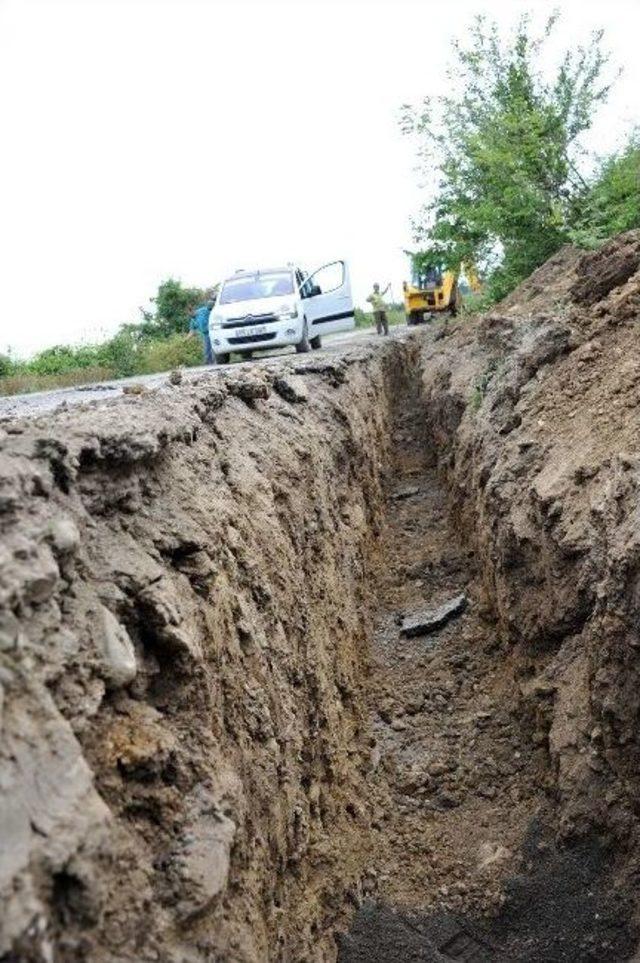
252	338
248	320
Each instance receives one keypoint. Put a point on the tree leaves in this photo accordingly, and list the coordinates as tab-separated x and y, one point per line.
504	143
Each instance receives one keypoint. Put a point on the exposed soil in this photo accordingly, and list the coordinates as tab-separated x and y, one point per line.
467	866
222	738
185	612
464	780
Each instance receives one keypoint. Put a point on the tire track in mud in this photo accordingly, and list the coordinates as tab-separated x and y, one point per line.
466	866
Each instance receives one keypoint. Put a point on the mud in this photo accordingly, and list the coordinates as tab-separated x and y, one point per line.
217	741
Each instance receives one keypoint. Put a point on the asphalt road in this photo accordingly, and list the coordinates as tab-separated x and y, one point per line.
41	402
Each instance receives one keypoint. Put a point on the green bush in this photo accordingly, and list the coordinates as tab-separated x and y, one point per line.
6	365
121	353
168	353
61	359
611	202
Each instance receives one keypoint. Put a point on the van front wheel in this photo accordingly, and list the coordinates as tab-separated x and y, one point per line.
222	358
303	344
316	342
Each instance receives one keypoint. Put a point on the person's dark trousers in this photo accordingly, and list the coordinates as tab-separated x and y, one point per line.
382	322
208	350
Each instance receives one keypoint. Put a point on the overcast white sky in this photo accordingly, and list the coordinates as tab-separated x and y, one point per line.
149	138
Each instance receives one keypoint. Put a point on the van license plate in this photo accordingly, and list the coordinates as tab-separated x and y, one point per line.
251	332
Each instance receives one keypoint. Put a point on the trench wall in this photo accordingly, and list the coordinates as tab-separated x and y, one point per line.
534	421
184	610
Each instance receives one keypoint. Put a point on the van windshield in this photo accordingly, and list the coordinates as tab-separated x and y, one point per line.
254	286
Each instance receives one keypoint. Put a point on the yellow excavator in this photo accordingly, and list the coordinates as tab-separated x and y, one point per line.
433	290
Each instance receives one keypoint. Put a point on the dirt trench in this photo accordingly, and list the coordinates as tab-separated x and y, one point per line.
213	721
467	865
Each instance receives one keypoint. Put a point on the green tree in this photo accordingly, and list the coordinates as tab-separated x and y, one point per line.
502	150
172	306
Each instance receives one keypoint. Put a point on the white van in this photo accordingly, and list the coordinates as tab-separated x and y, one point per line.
274	307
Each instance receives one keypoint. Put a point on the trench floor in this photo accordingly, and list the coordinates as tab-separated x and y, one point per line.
466	866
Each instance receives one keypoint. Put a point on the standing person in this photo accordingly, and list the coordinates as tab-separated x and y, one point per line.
199	323
379	307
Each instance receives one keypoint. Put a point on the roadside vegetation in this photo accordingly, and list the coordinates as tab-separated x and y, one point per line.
502	155
156	343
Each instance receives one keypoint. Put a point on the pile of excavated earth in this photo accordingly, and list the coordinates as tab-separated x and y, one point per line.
335	657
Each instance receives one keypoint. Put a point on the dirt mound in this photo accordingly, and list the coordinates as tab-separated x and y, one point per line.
573	280
549	287
599	272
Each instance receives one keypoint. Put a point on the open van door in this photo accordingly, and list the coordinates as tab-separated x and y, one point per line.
328	305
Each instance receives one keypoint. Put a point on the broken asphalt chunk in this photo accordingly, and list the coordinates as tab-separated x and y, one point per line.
433	619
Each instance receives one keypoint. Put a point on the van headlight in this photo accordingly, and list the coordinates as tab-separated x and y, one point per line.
287	312
215	321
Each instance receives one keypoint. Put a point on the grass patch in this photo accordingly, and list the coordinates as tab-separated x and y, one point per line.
481	386
26	383
146	357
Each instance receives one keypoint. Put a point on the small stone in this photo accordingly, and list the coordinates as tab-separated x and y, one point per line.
9	631
491	853
399	725
118	654
292	388
249	389
64	535
175	377
134	389
405	493
414	706
201	863
42	578
483	716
